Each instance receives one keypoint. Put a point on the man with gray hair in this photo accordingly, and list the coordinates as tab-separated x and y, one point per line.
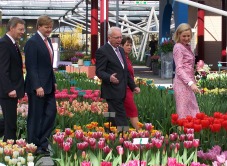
11	74
111	68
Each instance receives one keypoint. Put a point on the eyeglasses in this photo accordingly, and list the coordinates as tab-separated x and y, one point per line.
117	37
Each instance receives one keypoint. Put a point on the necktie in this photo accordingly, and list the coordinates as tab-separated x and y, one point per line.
17	48
48	47
119	56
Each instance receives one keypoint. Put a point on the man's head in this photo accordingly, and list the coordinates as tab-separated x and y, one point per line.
15	28
115	36
44	25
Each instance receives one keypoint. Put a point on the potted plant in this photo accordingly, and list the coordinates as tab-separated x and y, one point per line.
80	57
87	60
155	62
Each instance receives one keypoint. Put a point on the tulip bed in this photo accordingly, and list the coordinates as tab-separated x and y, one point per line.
80	137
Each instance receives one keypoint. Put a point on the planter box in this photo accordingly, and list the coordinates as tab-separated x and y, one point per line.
89	70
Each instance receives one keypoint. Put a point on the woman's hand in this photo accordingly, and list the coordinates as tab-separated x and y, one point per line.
195	89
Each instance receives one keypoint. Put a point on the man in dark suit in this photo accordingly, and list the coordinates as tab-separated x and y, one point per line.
111	68
11	76
40	85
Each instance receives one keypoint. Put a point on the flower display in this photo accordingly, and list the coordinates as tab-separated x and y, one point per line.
155	58
166	46
202	68
74	59
79	55
19	153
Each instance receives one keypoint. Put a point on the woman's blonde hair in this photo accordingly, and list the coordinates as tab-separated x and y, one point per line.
181	28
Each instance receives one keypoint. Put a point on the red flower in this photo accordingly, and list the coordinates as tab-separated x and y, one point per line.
200	115
217	115
224	124
205	123
215	127
174	118
197	127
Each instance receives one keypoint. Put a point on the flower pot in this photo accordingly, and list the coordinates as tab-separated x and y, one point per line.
167	65
87	63
80	62
155	68
75	65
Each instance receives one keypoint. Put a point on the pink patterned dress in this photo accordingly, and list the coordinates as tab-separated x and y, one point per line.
186	103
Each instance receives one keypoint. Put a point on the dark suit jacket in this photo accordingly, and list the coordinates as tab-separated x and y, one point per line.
108	63
38	65
11	69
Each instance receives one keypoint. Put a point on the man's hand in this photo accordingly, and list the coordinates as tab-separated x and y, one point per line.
12	94
114	79
56	86
40	92
137	90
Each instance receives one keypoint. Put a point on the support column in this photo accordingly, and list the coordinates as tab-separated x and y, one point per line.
200	31
94	29
104	9
223	35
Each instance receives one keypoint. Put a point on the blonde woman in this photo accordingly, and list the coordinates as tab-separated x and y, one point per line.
184	84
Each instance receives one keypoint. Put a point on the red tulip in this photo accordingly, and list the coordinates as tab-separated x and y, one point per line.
215	127
197	127
200	115
205	123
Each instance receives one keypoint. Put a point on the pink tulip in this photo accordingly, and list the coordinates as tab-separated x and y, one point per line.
121	140
190	137
105	163
101	144
79	134
112	136
187	144
59	137
182	137
92	141
82	145
134	134
66	146
106	149
120	150
171	161
21	142
69	140
148	126
83	155
199	65
195	143
86	163
221	158
190	131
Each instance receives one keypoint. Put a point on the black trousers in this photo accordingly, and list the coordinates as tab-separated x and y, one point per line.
9	109
117	106
41	118
2	127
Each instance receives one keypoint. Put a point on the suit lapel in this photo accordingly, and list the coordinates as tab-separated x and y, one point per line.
43	45
114	55
16	55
